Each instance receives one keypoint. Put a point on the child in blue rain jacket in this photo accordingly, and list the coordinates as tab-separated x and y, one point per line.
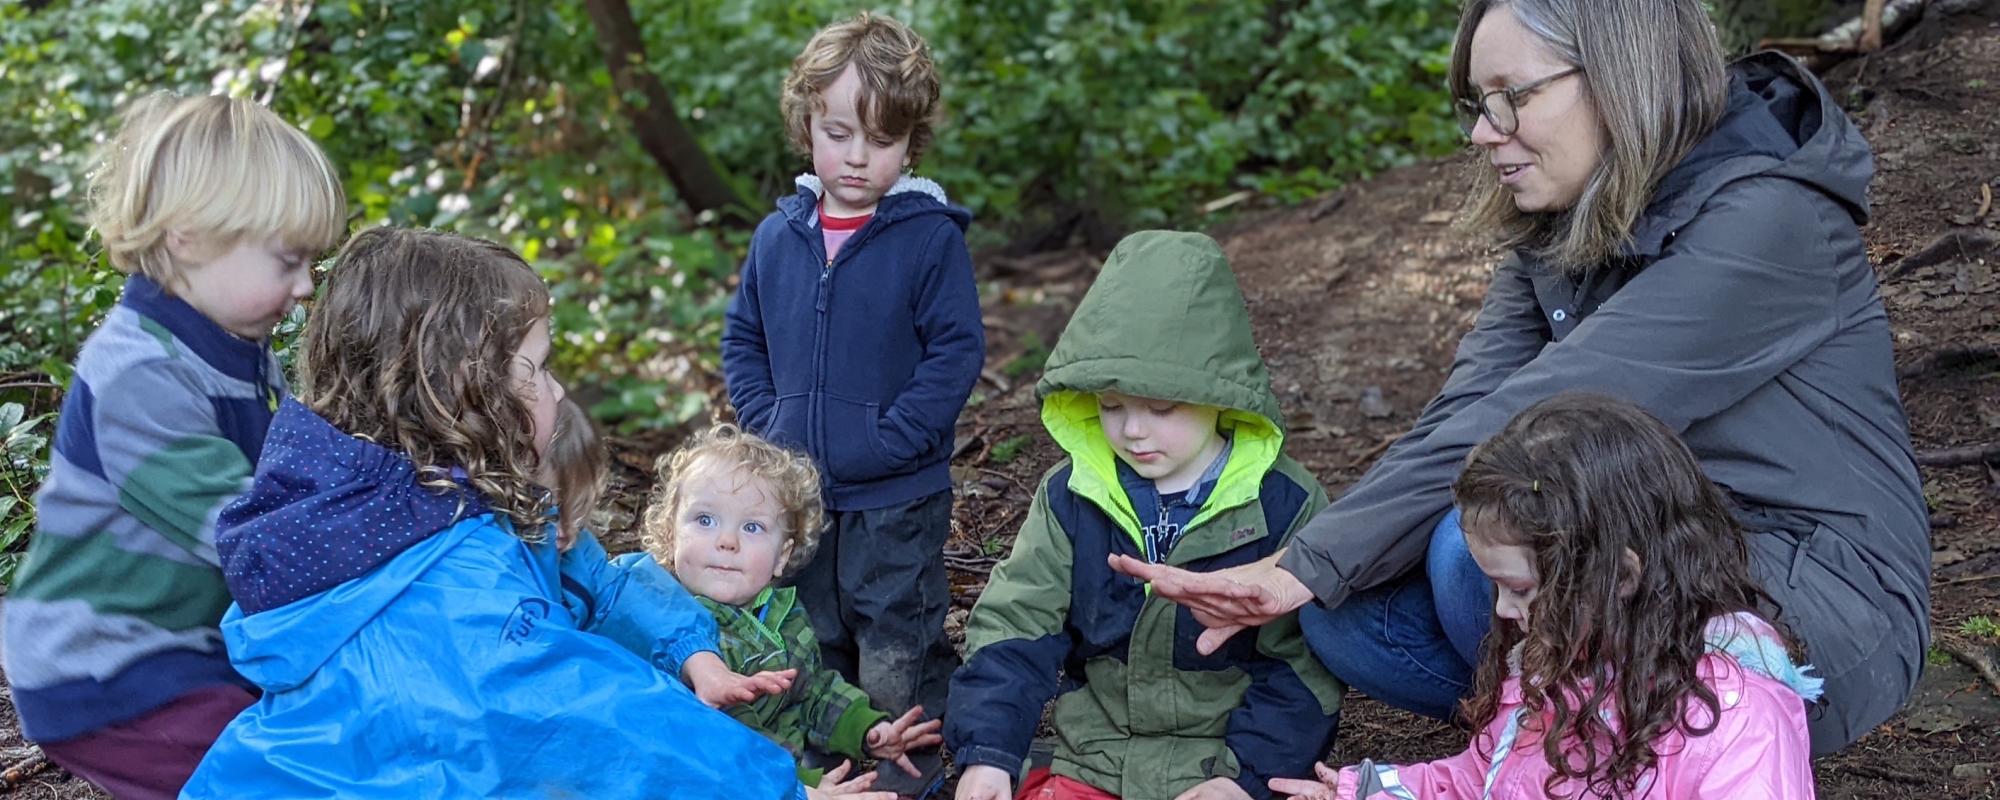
400	597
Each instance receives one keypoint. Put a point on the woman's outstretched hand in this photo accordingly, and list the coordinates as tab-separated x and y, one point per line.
1224	601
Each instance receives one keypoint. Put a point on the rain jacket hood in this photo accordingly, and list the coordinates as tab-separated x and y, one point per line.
1164	320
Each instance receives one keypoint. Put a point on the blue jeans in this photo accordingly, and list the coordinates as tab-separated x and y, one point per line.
1411	643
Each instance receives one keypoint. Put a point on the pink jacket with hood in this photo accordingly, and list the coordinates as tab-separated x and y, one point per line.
1759	747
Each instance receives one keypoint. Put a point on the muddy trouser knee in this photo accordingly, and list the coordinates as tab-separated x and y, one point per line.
877	594
1865	640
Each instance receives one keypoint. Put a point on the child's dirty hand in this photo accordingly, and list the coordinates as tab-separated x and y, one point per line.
1215	789
984	782
718	687
890	740
835	783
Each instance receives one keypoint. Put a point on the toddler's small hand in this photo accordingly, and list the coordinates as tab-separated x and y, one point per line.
891	740
835	784
768	683
718	687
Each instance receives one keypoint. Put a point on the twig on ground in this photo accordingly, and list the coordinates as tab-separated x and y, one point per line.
977	565
1008	478
1977	659
1959	456
24	769
1956	356
1968	579
998	380
1328	206
1887	774
1361	462
1953	244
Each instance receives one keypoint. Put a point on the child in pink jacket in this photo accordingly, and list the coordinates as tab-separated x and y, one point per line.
1632	656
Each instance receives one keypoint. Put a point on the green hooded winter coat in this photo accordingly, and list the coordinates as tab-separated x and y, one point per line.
1138	712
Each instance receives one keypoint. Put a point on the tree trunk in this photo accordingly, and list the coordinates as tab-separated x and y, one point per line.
661	132
1743	22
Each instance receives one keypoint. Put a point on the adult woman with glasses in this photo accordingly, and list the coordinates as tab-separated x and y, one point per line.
1684	235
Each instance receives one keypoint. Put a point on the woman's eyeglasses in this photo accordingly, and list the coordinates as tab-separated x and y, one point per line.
1501	107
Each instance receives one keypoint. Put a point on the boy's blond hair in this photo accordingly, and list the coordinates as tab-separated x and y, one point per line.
578	466
215	170
793	479
899	82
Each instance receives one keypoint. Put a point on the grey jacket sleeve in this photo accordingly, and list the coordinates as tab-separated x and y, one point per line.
1742	293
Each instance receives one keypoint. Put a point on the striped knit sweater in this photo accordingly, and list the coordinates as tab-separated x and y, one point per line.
114	613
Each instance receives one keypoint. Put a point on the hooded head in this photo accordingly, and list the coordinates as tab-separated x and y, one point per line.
1164	321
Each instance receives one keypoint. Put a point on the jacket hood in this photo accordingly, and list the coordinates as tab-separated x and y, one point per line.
1755	646
1742	637
1780	122
1165	320
910	197
281	648
324	508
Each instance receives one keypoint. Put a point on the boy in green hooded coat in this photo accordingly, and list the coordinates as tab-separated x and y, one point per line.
1175	444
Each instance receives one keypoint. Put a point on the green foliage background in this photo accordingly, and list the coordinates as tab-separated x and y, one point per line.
497	118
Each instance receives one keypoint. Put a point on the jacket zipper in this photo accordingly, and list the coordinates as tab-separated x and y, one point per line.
823	300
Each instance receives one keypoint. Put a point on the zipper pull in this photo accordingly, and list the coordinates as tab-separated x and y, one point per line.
819	302
1169	534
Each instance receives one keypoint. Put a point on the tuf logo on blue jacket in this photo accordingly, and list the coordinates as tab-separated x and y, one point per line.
521	624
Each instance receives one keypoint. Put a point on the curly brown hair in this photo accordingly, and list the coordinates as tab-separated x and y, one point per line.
899	82
1579	479
577	466
793	479
411	347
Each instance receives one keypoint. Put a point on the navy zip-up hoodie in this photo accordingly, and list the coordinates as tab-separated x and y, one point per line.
863	361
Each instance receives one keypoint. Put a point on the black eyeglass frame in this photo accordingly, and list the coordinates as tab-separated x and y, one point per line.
1470	110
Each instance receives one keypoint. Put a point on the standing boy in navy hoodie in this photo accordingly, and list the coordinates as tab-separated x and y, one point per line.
856	336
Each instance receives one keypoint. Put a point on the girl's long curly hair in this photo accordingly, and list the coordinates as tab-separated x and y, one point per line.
412	348
1579	479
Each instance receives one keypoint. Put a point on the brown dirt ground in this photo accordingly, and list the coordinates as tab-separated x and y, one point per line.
1358	301
1359	298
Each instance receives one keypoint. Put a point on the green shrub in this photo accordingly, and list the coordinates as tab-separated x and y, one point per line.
498	119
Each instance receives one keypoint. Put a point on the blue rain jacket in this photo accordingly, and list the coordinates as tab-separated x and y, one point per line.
469	663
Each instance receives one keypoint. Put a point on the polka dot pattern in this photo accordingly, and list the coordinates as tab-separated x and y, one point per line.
323	509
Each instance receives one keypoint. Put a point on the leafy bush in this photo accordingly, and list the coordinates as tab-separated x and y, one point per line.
24	461
1130	112
498	119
